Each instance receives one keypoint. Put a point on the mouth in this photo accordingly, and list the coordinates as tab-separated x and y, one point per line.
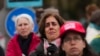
23	32
51	33
73	49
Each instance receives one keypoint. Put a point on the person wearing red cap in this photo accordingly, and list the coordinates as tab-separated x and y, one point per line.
73	41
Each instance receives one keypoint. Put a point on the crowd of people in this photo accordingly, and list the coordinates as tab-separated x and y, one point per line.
56	36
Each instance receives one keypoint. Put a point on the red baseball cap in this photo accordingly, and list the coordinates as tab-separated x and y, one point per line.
73	26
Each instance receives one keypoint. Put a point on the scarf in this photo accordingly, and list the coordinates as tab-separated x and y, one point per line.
55	42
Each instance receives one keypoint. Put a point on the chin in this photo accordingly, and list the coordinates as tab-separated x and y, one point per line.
24	35
75	54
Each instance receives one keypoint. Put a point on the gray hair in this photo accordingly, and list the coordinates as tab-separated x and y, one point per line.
15	19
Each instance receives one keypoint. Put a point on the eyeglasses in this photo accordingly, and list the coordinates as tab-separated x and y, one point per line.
75	39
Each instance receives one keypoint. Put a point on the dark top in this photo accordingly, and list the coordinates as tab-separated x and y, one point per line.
1	51
40	51
25	43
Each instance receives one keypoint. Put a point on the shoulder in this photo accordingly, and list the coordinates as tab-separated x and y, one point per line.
39	50
13	41
35	35
35	38
14	38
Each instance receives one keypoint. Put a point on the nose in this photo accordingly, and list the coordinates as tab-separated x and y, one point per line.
22	26
72	42
51	27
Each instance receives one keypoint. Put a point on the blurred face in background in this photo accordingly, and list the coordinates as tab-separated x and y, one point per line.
52	28
24	27
73	44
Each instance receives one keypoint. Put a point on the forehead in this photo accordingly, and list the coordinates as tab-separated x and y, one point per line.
51	19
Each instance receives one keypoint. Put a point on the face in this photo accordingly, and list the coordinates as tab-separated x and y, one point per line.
73	44
52	28
24	27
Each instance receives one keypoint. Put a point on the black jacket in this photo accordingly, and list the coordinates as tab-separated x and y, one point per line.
40	51
1	51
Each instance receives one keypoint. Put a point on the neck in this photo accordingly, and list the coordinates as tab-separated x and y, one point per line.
73	55
51	40
25	37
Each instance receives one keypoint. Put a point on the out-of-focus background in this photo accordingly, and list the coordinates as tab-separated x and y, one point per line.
69	10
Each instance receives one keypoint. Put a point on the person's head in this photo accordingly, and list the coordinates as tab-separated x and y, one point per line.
39	11
95	18
90	9
73	38
24	24
49	25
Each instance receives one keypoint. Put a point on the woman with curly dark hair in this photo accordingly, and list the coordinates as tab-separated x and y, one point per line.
49	28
